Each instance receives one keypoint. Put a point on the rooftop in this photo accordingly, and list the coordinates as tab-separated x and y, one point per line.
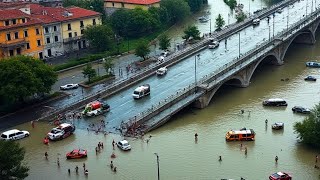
142	2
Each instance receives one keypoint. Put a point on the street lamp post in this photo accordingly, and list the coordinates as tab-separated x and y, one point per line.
288	19
273	25
249	7
228	18
210	26
239	44
158	165
269	33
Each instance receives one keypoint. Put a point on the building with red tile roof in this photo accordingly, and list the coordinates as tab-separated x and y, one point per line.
112	5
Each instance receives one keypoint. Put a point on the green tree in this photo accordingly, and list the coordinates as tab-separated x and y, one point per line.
308	130
191	31
89	72
164	42
100	37
142	22
195	5
142	49
24	76
11	157
219	22
120	21
231	3
177	10
108	66
241	17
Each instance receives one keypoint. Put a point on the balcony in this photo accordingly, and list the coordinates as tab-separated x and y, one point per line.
14	43
72	39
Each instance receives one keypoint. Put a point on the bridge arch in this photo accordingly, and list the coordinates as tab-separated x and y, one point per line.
305	37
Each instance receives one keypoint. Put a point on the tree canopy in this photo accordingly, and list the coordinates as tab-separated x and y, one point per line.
219	22
100	37
164	42
11	157
195	5
177	10
231	3
308	130
142	49
241	17
24	76
191	31
89	72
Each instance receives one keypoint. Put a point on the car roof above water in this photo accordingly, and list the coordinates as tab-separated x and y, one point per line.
11	131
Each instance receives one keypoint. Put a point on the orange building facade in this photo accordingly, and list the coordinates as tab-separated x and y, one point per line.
19	34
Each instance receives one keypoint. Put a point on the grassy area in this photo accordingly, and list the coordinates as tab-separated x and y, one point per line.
98	78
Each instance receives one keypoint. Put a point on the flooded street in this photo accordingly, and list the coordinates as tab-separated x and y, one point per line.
182	158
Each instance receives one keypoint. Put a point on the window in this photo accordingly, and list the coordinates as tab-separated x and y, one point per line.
38	42
14	21
93	21
56	39
122	5
69	27
40	55
75	34
7	23
82	31
55	28
49	52
48	40
28	45
46	30
23	20
70	35
81	24
8	37
37	31
16	35
25	33
112	4
19	133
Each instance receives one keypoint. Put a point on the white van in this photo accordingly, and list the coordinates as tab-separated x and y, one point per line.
141	91
14	134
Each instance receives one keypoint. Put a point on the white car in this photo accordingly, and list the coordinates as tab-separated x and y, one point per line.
213	45
124	145
165	53
69	86
256	21
161	71
14	134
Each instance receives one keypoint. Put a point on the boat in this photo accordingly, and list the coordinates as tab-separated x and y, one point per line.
313	64
76	154
277	125
275	102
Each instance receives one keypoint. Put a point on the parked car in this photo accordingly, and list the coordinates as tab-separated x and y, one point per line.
161	71
165	53
279	10
310	78
69	86
213	43
256	21
141	91
14	134
280	176
124	145
313	64
277	125
62	131
300	109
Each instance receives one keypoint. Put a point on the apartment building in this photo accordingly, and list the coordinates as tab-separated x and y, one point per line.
112	5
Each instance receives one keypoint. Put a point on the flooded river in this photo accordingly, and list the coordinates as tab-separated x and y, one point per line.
183	158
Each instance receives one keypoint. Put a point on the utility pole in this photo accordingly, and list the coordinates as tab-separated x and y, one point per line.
273	25
158	165
210	26
239	44
269	33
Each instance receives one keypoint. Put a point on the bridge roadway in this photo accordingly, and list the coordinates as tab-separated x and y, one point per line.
181	75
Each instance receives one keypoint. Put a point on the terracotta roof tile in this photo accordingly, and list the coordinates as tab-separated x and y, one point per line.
11	14
143	2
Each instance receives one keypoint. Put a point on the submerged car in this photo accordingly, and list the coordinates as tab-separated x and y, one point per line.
280	176
300	109
310	78
14	134
69	86
124	145
275	102
62	131
76	154
313	64
277	125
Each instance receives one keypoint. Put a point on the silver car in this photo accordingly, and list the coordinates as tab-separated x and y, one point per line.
69	86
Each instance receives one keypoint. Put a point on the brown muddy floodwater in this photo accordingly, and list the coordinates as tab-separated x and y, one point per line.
182	158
